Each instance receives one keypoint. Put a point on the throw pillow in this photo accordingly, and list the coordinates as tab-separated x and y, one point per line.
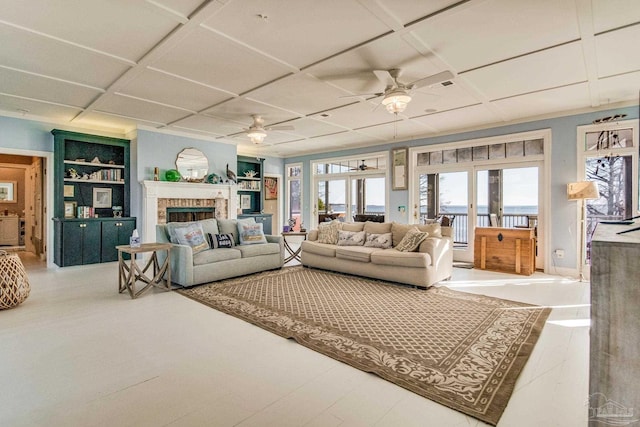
351	238
191	235
411	241
328	232
221	240
250	234
399	230
381	241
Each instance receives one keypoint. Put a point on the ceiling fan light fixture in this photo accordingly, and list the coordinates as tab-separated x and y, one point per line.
257	136
396	102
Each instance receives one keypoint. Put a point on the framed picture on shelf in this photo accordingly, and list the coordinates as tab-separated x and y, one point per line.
270	188
69	190
101	197
399	158
70	209
246	201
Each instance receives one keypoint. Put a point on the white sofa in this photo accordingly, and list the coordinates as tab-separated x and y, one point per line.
429	264
189	269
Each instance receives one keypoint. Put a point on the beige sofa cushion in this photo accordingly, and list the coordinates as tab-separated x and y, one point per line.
399	230
215	255
314	247
353	226
377	227
400	259
355	253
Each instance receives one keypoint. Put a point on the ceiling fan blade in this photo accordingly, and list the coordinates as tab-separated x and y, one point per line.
361	95
385	77
285	127
432	80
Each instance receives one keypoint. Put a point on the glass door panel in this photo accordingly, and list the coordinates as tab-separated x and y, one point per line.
453	202
614	177
331	203
295	204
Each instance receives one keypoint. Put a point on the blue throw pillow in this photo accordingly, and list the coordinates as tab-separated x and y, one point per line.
251	234
191	235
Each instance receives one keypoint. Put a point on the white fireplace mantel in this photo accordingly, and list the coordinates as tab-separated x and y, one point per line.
154	190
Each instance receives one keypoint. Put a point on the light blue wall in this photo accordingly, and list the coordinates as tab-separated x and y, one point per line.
563	171
25	134
151	149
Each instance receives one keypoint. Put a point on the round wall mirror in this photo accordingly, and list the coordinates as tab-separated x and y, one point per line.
192	164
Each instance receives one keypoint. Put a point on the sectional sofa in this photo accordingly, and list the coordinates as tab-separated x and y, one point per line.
429	263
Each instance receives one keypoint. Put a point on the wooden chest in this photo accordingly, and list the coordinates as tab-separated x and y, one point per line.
510	250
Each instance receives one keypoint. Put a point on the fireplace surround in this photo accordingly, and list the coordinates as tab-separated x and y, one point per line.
159	195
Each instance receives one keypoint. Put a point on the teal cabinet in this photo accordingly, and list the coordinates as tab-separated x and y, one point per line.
116	231
77	242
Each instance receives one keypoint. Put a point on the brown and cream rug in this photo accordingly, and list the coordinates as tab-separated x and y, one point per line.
462	350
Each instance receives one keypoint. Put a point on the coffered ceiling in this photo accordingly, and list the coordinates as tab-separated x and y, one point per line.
205	67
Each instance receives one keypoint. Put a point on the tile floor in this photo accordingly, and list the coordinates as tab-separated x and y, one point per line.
77	353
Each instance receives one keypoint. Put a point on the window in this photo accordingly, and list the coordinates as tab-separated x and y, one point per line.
344	188
608	155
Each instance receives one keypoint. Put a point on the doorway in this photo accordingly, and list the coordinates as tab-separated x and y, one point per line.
24	216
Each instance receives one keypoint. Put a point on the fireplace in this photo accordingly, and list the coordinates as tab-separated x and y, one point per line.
189	214
207	200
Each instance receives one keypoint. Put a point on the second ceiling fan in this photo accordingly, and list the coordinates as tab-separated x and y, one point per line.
257	132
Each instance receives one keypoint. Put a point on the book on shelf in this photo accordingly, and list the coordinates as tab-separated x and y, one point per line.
85	212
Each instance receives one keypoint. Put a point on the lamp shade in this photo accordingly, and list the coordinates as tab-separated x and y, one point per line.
582	190
396	101
257	136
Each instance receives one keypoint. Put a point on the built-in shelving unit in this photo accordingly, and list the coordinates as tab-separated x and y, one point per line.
250	176
91	175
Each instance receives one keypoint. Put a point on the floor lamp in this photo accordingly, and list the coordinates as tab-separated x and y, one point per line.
582	191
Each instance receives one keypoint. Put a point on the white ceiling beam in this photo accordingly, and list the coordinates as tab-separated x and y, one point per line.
588	40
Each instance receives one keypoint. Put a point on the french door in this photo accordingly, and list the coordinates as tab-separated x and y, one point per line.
502	195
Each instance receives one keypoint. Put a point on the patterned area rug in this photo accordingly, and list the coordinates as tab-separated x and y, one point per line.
462	350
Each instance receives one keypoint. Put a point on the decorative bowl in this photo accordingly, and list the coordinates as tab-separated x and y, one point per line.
250	174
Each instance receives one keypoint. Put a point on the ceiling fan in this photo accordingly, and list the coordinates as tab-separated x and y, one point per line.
363	166
396	94
257	132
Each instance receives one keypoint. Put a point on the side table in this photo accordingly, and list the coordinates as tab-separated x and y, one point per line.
130	274
293	254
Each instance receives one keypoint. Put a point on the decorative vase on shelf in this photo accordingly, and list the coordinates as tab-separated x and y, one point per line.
172	175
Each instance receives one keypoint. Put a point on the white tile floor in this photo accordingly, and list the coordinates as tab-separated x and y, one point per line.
77	353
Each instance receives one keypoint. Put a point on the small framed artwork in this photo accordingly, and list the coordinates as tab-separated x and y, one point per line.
399	158
102	198
69	190
246	201
70	209
270	188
